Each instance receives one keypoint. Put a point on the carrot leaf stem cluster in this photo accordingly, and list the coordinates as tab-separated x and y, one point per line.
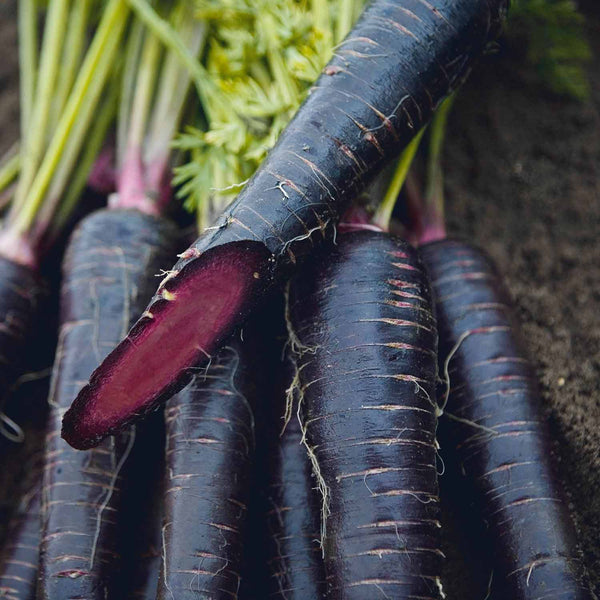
62	86
154	93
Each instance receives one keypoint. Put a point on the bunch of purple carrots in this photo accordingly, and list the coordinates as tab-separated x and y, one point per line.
272	419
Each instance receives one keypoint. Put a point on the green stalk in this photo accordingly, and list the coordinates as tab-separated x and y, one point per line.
172	92
144	89
132	56
345	19
281	75
321	20
102	122
35	135
27	60
383	215
71	55
69	163
434	191
210	95
93	74
10	169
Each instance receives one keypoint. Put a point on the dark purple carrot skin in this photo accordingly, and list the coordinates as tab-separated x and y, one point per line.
108	275
295	563
143	504
20	554
23	464
367	372
505	449
385	80
209	456
20	297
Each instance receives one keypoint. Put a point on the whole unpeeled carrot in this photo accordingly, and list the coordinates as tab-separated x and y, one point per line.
365	338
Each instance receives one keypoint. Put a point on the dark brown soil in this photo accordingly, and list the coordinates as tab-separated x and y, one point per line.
523	181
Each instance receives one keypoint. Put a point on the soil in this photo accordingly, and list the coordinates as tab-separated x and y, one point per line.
523	181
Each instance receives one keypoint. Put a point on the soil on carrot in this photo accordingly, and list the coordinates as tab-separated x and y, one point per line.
523	181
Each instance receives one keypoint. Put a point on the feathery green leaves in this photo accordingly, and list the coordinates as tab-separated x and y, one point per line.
553	32
262	55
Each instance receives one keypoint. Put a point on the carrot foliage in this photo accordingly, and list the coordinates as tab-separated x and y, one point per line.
553	35
262	57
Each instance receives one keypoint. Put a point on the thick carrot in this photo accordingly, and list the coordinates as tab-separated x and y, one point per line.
108	273
143	506
209	455
20	297
385	80
366	339
498	431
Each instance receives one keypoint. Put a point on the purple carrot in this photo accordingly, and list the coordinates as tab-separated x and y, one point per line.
209	459
294	562
108	275
498	431
109	272
365	339
21	293
400	60
19	556
284	512
23	466
143	506
495	425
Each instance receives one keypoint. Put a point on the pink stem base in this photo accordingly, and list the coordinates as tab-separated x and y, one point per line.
19	248
133	190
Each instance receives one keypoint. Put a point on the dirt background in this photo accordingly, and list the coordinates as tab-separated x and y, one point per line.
523	181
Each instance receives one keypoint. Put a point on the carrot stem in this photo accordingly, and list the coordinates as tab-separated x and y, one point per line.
104	117
27	60
383	215
83	99
10	167
132	57
434	191
131	185
34	137
71	56
210	94
144	88
346	18
171	99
